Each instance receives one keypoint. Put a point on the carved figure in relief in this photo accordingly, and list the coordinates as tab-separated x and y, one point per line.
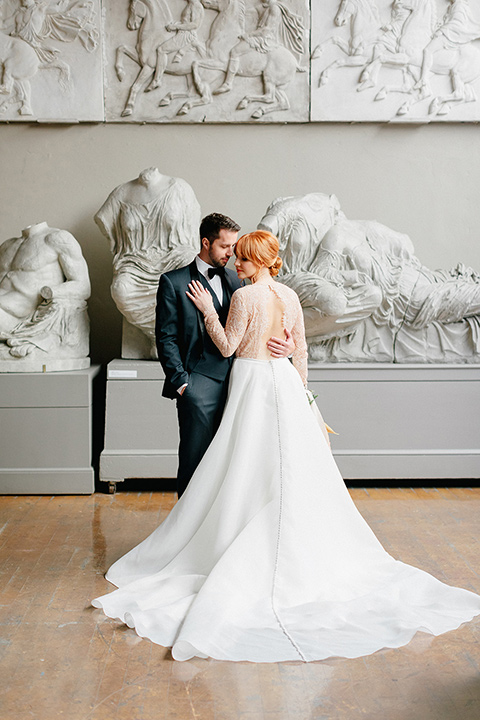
277	26
413	43
151	19
30	24
268	52
44	286
184	38
418	55
365	294
411	26
66	20
30	20
363	18
19	63
458	28
157	52
152	226
393	30
224	32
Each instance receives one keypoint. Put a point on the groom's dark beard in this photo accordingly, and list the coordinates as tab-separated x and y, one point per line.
217	263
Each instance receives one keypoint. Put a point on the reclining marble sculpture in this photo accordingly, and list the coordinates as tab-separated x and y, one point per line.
44	286
366	297
152	225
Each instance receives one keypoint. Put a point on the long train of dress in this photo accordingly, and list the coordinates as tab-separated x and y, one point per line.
265	557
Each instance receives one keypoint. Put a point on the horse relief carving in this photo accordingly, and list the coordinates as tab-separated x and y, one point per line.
217	60
62	37
240	60
400	60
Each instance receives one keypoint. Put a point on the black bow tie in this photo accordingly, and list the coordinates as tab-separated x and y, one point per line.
211	272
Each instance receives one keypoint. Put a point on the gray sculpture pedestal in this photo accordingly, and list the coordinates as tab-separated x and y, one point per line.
141	434
393	421
46	438
401	421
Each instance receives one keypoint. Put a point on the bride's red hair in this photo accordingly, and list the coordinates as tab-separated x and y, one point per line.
261	248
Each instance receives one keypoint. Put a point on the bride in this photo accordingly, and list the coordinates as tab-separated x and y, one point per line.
265	557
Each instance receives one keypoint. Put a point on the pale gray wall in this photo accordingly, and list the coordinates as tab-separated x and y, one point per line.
422	180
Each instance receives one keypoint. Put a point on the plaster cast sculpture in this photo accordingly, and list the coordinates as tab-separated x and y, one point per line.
152	225
231	59
44	286
406	59
365	295
239	60
61	36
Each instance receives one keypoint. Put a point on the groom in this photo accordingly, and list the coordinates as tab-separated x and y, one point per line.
196	374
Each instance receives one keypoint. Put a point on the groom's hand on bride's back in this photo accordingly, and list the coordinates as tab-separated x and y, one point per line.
281	348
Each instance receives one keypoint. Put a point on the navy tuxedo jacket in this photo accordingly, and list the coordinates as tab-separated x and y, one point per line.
183	344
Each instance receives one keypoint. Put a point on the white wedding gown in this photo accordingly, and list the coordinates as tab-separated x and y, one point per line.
265	557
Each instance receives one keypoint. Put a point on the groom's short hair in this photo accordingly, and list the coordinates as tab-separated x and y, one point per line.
212	224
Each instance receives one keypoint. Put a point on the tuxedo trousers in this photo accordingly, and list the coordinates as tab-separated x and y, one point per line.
199	411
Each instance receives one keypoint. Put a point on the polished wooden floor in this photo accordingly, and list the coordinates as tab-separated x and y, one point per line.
60	658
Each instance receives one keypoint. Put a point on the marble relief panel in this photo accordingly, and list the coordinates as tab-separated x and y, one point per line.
51	66
207	60
406	60
239	60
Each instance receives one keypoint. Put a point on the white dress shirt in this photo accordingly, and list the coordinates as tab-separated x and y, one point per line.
215	282
216	285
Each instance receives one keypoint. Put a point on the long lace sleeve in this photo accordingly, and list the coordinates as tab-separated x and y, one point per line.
300	354
228	339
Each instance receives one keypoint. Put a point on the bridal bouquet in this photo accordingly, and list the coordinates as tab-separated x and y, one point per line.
326	429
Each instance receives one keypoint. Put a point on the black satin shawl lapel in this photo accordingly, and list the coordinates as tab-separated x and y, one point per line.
196	275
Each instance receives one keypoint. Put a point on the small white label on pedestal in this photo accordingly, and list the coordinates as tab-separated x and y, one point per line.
122	374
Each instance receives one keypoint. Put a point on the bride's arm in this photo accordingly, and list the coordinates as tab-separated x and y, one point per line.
226	339
300	354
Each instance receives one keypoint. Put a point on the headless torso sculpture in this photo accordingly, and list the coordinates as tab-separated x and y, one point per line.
152	226
44	286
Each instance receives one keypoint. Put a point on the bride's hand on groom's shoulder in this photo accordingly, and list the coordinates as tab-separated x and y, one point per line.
200	297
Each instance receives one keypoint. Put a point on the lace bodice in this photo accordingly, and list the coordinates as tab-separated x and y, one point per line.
252	320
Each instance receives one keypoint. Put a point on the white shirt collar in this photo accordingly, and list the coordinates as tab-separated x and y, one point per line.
215	282
202	266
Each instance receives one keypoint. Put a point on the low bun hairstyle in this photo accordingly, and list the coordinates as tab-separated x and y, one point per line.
275	269
261	248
